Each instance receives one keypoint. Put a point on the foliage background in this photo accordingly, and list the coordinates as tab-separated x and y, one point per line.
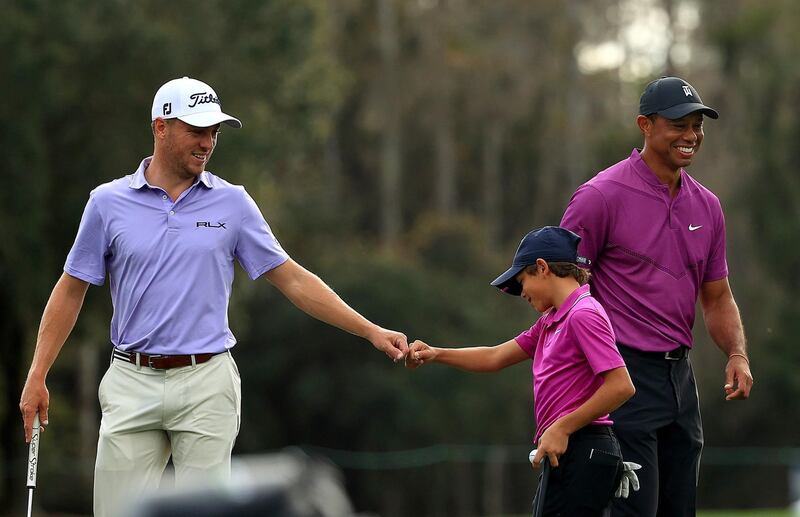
400	149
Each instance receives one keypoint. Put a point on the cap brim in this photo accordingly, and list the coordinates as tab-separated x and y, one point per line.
681	110
507	282
210	118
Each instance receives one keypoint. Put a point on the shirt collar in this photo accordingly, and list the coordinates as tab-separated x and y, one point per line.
646	173
568	304
138	179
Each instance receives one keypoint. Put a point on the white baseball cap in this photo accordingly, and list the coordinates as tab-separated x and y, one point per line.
191	101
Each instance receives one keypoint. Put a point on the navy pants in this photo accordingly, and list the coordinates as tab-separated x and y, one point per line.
586	477
660	428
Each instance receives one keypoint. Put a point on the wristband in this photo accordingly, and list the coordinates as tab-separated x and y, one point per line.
740	355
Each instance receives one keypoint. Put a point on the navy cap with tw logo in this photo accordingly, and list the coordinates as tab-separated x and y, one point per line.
672	98
551	244
191	101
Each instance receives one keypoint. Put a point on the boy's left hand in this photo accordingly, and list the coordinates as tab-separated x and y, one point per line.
553	443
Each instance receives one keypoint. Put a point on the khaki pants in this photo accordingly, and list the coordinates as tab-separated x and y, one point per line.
191	413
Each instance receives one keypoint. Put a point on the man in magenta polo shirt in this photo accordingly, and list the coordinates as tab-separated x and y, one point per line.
167	236
656	239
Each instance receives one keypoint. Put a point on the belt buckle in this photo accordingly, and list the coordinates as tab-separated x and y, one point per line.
669	357
150	361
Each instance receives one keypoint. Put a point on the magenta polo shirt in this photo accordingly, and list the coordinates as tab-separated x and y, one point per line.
170	265
650	252
570	348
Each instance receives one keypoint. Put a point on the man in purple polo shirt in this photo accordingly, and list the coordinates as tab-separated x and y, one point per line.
656	239
167	236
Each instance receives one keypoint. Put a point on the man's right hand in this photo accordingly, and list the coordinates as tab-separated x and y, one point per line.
35	398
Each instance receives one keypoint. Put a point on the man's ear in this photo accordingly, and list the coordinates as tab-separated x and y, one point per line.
645	124
542	266
159	127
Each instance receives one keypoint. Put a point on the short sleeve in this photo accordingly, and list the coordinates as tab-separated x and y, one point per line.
717	263
587	215
87	258
595	337
257	249
527	340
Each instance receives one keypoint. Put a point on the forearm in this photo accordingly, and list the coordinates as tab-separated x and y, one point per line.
473	359
724	325
615	390
311	295
57	322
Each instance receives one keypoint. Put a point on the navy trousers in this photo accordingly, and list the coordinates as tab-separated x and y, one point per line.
660	428
586	477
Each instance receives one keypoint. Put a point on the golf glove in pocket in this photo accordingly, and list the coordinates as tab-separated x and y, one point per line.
629	481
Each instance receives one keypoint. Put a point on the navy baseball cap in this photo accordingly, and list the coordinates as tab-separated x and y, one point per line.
672	98
551	244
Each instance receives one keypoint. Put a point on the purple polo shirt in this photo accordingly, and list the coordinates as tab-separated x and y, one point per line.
650	252
170	265
570	348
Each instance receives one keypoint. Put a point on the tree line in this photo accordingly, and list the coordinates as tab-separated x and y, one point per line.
400	149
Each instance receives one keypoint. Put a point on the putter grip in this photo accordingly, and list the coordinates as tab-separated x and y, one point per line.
33	453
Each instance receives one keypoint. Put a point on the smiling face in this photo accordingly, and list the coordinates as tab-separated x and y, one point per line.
671	144
186	149
536	289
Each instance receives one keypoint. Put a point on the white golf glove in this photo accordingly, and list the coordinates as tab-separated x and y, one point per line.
629	481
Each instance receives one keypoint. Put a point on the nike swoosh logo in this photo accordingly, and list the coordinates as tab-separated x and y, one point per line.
693	228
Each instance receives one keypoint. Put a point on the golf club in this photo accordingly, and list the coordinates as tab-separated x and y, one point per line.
538	509
33	460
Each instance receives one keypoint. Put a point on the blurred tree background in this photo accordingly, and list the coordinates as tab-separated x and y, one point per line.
400	149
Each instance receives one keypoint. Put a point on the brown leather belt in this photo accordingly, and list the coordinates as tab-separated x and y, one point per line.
161	362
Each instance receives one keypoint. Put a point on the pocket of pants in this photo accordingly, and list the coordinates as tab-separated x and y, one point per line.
237	390
101	389
595	480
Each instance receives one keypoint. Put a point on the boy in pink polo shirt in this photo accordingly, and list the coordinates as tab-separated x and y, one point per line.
578	373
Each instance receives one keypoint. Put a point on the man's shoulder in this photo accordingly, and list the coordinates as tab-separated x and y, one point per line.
608	185
111	188
612	177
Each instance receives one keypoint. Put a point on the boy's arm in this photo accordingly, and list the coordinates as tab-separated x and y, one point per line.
616	389
471	359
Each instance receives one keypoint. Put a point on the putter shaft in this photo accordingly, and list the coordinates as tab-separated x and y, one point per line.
30	501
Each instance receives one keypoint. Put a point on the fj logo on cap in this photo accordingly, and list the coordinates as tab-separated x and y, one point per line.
167	108
202	98
687	91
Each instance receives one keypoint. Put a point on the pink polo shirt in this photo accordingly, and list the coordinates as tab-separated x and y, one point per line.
570	348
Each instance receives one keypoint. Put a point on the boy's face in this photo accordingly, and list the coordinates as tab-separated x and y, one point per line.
535	288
